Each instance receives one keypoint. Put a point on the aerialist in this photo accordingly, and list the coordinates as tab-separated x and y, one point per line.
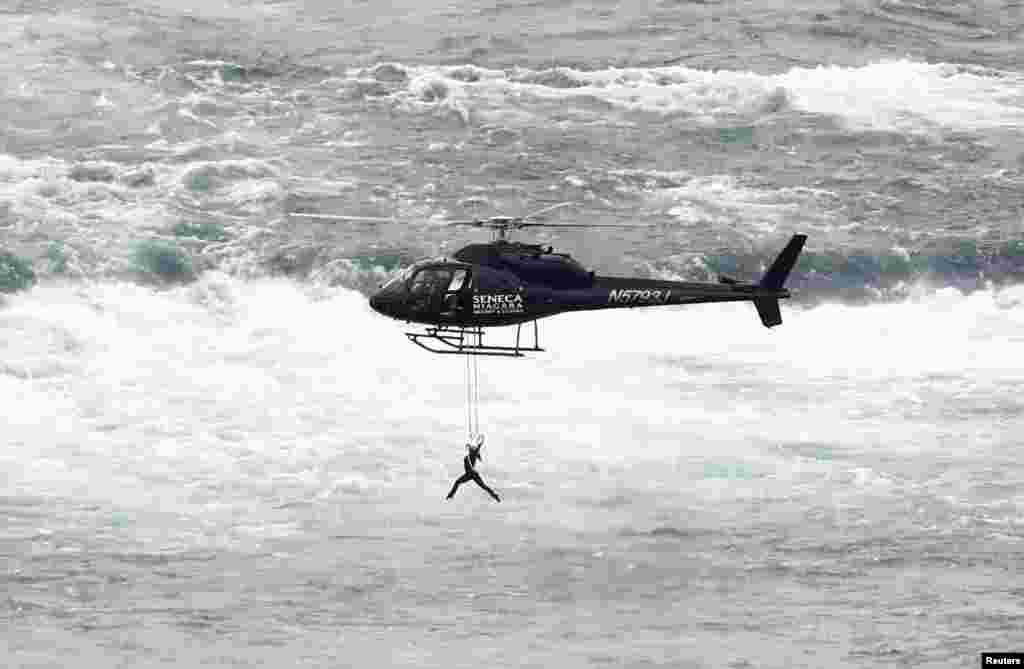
471	473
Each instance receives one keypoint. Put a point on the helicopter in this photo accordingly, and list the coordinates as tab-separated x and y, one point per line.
504	283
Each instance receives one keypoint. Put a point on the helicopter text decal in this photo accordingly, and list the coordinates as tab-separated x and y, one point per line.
635	296
498	303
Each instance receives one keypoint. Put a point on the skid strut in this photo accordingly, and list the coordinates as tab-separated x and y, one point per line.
469	341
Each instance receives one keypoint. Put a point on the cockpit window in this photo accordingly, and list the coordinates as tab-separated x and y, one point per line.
398	278
458	279
430	280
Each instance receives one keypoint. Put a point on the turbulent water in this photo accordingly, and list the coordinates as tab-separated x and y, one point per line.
214	454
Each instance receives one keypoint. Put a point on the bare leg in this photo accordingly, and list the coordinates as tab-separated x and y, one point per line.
480	482
459	481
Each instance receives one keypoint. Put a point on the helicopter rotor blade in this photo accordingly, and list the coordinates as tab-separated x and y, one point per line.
584	225
492	222
475	224
552	207
339	217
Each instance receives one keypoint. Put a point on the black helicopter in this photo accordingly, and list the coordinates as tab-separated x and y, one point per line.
510	283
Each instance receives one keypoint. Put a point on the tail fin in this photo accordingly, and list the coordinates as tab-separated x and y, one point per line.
779	271
773	280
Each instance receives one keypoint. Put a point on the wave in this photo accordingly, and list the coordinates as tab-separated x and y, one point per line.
273	375
891	95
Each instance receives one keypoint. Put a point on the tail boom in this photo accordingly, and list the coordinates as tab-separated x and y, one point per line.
628	292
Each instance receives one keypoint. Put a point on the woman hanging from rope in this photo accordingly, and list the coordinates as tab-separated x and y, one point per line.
471	474
473	421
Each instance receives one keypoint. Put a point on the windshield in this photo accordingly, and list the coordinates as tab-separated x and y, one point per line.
430	280
398	278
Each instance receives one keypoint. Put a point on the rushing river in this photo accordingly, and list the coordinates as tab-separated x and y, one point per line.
214	453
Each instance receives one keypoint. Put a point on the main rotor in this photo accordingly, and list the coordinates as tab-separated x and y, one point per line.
499	225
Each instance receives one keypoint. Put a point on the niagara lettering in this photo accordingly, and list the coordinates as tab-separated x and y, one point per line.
635	296
498	303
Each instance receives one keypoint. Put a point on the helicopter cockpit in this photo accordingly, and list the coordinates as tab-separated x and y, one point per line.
436	287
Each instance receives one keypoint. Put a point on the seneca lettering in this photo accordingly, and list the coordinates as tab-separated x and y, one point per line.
498	303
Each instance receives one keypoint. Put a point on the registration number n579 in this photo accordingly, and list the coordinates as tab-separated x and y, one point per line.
637	296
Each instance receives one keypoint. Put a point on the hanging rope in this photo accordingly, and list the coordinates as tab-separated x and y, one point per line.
469	401
472	396
476	396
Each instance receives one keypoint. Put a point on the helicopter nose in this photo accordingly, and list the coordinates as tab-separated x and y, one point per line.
382	305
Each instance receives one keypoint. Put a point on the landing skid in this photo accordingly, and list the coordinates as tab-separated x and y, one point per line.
469	341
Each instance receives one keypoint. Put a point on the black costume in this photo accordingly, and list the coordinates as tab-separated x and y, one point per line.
471	474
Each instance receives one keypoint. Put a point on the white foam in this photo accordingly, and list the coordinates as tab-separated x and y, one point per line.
43	192
198	377
722	200
909	96
901	95
667	90
89	205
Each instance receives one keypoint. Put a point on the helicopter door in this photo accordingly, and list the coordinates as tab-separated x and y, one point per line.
453	302
428	289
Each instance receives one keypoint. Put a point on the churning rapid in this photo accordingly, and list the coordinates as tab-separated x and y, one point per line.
214	452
